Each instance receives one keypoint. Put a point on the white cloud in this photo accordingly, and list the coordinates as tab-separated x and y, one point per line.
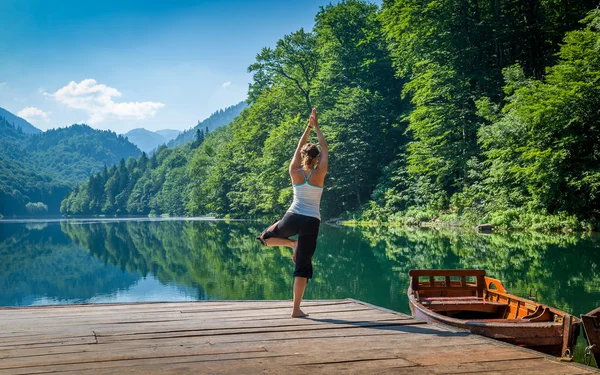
226	84
97	100
32	113
2	83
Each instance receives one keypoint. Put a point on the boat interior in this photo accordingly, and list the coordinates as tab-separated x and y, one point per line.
470	295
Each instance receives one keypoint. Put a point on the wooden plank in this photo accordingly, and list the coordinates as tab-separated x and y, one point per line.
204	321
164	305
219	328
457	355
529	366
294	353
444	289
42	340
416	273
21	314
176	319
426	337
150	349
105	338
339	349
264	365
352	318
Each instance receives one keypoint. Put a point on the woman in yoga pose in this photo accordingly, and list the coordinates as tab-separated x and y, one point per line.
307	171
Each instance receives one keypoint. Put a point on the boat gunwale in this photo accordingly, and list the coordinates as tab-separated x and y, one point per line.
478	322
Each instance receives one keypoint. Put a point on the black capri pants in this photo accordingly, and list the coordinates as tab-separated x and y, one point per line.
307	229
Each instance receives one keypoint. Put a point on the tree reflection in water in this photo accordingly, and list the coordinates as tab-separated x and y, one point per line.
224	261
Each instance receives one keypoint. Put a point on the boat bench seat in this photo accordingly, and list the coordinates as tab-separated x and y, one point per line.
463	304
423	300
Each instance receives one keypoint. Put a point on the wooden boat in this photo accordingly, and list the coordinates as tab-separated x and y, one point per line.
470	301
591	327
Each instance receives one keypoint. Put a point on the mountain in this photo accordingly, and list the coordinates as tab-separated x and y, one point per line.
18	122
147	140
73	153
219	118
37	170
169	133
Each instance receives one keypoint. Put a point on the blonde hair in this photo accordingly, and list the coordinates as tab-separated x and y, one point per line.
309	153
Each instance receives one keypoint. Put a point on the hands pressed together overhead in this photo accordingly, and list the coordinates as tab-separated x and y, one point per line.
312	121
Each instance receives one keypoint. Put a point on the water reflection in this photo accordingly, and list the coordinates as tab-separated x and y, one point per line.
224	261
41	265
74	261
564	269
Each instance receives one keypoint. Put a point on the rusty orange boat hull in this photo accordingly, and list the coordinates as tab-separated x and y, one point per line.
467	300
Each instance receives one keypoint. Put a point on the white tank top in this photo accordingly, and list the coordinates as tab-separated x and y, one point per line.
307	198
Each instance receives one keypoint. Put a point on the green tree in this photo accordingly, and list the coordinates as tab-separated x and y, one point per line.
294	59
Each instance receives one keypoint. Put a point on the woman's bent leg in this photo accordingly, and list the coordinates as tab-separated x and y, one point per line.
276	241
277	235
299	287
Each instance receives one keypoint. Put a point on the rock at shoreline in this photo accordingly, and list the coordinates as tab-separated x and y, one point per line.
486	228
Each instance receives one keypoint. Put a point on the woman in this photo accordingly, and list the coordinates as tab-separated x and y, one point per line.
308	172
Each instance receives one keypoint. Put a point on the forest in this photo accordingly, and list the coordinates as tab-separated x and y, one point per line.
156	185
472	111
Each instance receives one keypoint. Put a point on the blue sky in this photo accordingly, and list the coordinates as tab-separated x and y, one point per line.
124	64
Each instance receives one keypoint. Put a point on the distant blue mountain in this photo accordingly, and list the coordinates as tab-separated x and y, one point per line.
18	122
216	120
148	140
169	133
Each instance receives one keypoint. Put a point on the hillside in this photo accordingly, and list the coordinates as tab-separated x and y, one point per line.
217	119
18	122
73	153
36	171
147	140
143	186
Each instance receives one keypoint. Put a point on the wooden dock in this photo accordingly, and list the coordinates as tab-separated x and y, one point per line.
249	337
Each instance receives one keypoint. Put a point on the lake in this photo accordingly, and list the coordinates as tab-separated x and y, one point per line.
100	261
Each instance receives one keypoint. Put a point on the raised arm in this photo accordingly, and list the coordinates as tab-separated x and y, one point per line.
324	157
297	159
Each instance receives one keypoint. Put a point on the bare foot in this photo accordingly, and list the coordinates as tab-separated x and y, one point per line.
298	314
261	237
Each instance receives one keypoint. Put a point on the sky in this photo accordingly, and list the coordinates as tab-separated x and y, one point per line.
125	64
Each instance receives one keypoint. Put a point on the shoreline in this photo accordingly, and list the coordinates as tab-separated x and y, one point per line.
408	222
82	220
440	224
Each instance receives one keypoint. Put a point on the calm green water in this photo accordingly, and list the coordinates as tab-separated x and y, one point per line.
154	260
